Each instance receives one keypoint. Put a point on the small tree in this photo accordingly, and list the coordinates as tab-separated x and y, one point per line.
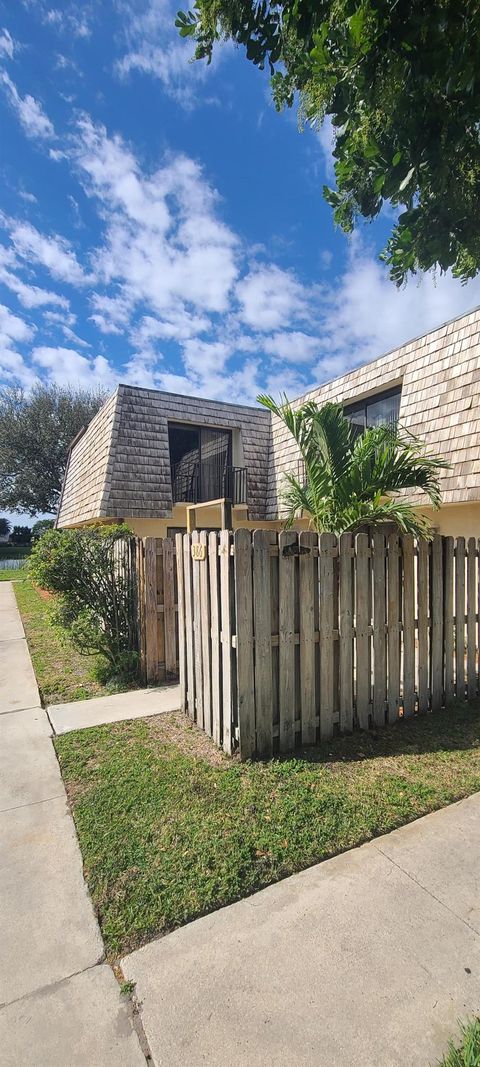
350	480
41	527
21	535
36	429
90	571
4	527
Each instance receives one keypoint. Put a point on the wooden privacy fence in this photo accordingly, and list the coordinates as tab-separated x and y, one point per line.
157	609
286	638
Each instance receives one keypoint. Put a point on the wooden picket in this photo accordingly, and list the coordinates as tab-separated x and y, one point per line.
288	639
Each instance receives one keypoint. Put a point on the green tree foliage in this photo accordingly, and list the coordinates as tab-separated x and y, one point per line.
41	527
36	429
400	83
4	527
21	535
350	479
90	571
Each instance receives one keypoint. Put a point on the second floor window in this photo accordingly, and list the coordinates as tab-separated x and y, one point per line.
382	409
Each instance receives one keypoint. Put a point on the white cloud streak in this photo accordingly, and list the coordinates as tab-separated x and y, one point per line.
32	117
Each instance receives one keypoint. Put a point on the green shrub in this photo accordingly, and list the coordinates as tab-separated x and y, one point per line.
91	571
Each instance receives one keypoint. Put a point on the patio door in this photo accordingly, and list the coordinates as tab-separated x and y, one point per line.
215	457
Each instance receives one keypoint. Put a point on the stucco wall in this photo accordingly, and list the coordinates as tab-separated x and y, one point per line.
456	520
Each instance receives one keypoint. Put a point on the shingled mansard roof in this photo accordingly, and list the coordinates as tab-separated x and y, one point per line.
120	466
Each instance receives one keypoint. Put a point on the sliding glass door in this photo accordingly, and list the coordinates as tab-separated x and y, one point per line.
200	458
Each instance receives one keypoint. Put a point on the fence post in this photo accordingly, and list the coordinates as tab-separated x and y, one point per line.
448	625
197	635
206	637
263	642
242	540
471	619
422	595
362	629
140	575
169	613
215	632
286	647
182	623
436	601
379	635
308	593
327	544
408	626
226	616
393	623
151	619
460	618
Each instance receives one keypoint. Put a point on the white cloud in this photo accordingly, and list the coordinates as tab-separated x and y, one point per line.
31	296
6	43
74	20
366	315
52	252
30	112
154	47
271	298
171	277
293	346
326	137
12	327
165	244
65	365
13	368
13	331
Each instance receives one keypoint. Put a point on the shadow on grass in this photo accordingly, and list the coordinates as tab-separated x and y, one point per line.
455	728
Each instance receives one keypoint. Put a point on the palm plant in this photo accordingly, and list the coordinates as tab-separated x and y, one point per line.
350	480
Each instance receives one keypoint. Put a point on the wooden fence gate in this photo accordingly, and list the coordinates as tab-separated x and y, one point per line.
157	609
287	638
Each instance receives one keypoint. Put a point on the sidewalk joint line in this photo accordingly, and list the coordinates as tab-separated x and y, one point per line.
29	707
52	985
425	889
32	803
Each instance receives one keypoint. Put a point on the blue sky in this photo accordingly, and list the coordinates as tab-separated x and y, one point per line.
161	224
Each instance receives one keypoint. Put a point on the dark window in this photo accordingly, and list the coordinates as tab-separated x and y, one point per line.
201	464
382	409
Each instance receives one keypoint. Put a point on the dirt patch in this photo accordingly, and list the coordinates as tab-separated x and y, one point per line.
174	728
44	594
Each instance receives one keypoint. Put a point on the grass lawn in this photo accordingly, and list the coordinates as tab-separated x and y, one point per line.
467	1053
12	575
62	673
170	828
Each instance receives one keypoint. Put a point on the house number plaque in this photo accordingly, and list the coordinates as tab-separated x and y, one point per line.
199	551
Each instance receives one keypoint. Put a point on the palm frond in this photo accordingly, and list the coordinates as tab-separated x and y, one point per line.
350	480
385	512
387	461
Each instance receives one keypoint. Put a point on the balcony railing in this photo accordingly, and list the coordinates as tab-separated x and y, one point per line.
205	481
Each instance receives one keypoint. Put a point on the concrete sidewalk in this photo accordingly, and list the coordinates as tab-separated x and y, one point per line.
59	1003
135	704
367	959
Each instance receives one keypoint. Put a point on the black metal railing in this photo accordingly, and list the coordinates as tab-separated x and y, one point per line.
205	481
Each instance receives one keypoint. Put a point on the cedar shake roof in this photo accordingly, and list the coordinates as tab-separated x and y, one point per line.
121	467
